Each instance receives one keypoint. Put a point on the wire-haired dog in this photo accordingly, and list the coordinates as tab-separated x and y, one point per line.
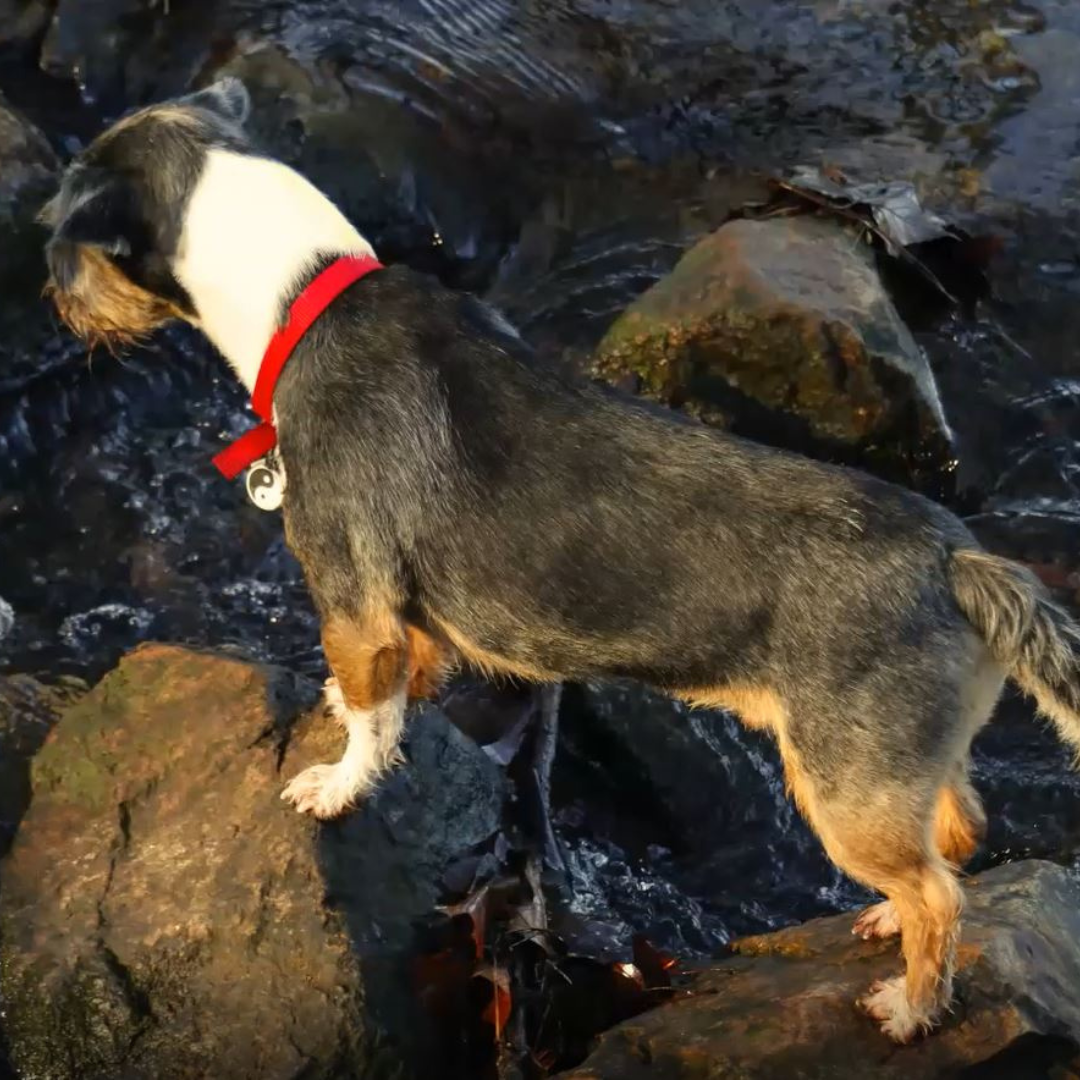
449	497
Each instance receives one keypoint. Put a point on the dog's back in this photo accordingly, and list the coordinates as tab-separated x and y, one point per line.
579	533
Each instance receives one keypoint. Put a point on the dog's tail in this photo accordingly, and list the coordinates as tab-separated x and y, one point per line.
1036	642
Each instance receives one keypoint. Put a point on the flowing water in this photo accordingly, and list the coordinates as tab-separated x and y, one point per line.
558	156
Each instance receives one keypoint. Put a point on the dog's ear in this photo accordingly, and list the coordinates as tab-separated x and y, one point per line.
104	218
228	97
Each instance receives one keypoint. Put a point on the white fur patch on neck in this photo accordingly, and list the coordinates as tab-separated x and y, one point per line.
252	226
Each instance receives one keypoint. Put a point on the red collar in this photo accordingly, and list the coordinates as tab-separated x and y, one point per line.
305	309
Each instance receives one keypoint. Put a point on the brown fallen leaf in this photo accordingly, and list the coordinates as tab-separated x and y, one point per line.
497	1010
657	968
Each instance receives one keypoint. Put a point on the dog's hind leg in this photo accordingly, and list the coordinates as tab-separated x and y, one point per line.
929	901
959	827
369	659
881	834
959	821
959	818
430	659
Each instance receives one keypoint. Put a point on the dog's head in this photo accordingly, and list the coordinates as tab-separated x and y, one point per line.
117	219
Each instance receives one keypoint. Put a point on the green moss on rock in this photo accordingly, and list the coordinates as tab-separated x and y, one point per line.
782	330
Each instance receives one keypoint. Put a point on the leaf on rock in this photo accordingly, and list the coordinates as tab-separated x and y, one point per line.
494	981
947	258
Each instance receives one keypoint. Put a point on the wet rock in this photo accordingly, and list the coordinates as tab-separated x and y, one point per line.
27	170
376	105
164	914
28	710
29	163
22	20
784	1005
781	329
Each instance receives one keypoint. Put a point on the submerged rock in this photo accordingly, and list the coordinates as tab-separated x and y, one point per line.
29	164
164	914
782	330
21	21
783	1006
27	171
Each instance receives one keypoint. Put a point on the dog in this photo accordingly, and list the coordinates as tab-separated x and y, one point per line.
452	499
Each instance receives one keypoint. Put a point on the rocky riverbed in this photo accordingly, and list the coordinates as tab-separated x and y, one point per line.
564	159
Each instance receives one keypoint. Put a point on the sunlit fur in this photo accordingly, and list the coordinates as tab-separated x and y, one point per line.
327	791
251	230
1037	641
106	308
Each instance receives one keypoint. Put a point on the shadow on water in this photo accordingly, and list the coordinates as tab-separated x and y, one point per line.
559	157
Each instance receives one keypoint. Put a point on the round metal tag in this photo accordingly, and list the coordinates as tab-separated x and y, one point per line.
265	486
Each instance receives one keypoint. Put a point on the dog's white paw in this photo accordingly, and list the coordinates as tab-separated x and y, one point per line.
334	700
879	921
887	1003
324	791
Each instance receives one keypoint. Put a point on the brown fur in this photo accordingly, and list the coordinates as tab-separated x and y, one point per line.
104	307
959	823
879	839
429	663
798	785
929	901
165	113
757	706
368	656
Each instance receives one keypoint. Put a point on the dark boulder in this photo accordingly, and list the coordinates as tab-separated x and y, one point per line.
28	169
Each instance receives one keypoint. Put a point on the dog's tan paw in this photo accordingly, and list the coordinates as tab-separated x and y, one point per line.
887	1003
324	791
879	921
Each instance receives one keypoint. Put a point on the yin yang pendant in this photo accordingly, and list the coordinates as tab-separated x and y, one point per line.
266	483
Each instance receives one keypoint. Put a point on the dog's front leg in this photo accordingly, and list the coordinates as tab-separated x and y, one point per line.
368	656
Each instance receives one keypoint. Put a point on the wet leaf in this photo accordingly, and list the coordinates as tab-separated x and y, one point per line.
496	983
656	967
945	257
505	749
474	908
530	919
441	974
893	205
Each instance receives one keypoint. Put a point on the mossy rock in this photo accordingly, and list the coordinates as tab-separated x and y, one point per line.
164	914
781	330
